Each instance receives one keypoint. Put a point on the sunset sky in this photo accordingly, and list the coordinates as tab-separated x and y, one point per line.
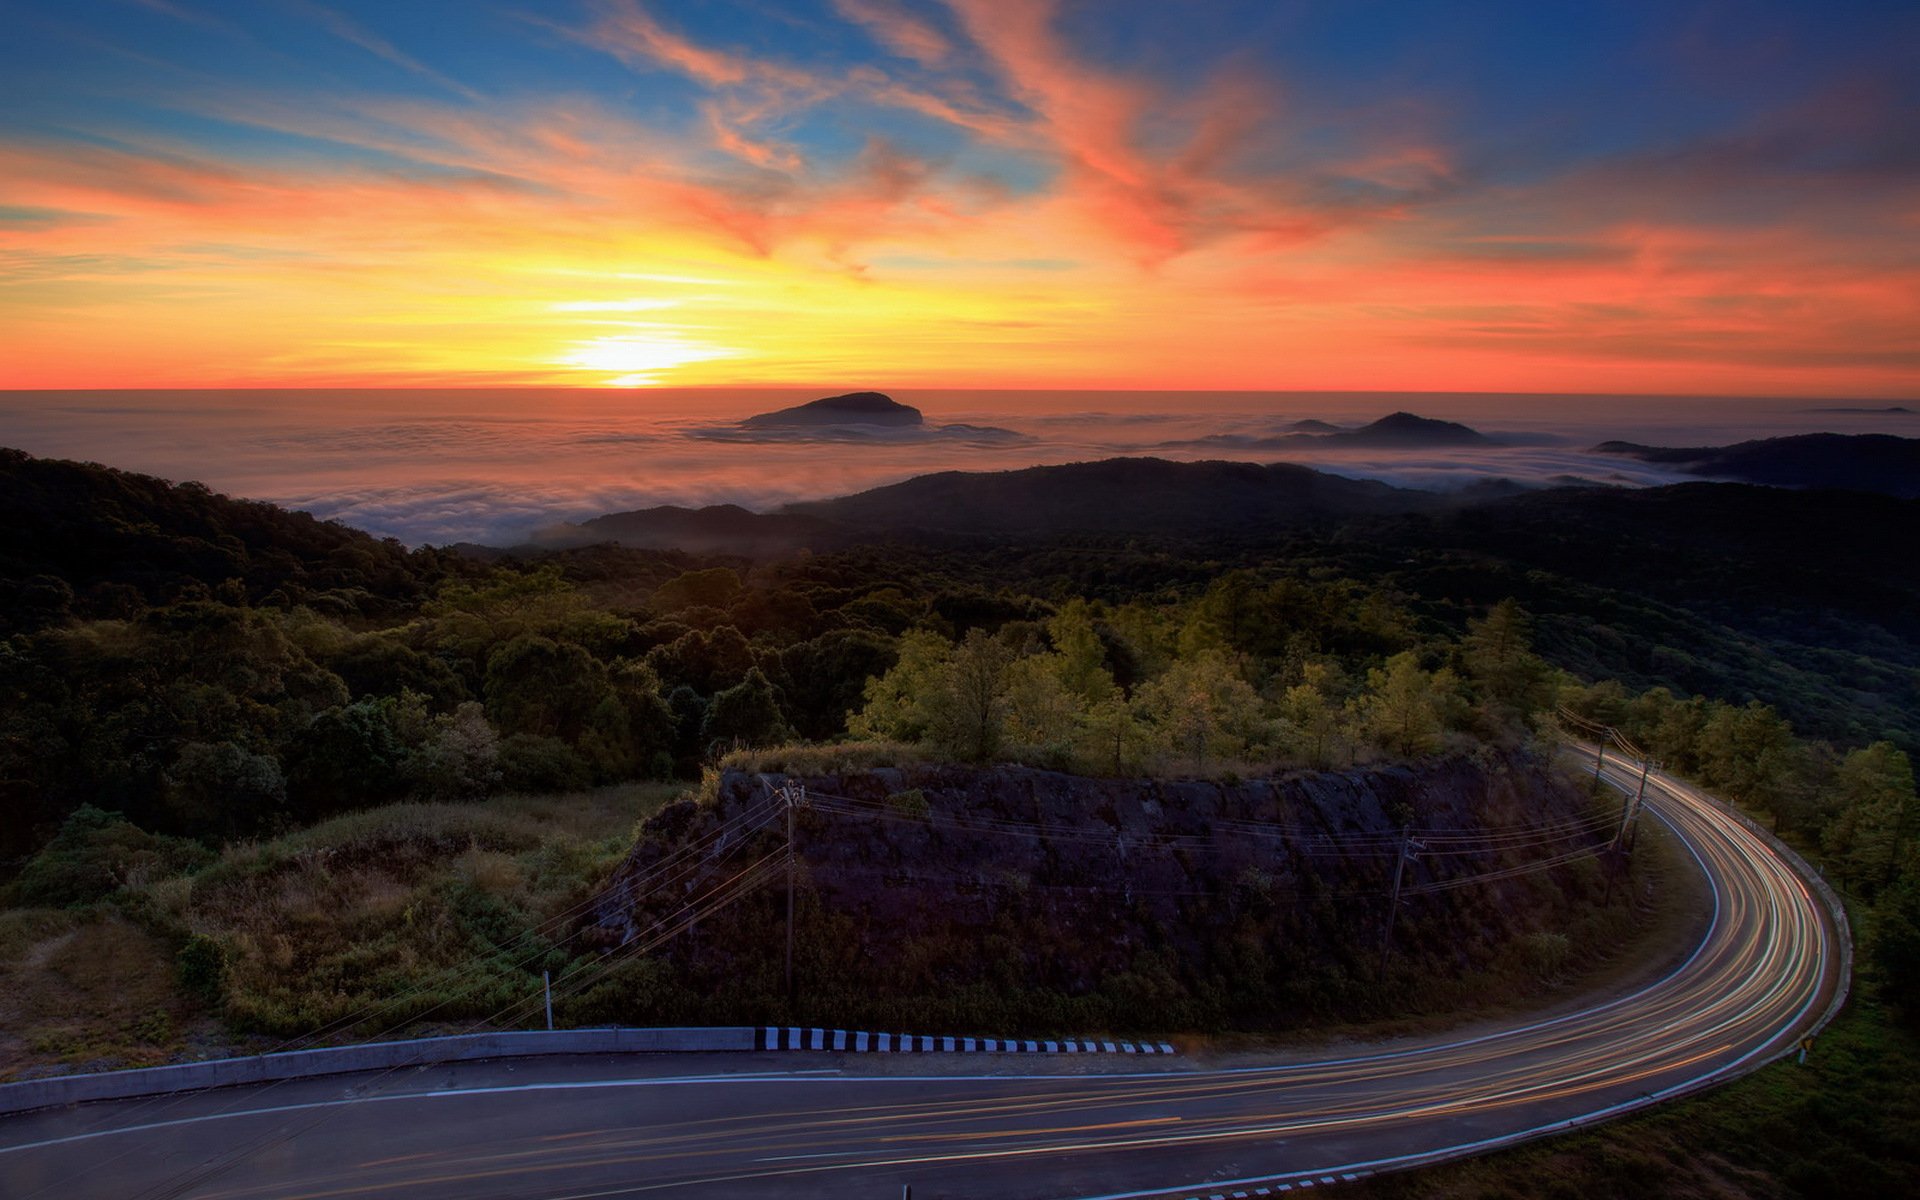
1663	197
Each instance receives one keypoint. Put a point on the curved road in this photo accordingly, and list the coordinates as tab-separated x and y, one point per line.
1766	968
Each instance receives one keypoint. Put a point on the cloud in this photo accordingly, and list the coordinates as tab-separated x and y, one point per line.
899	30
880	215
347	29
855	435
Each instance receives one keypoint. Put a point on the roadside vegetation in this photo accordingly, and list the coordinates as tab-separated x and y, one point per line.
122	948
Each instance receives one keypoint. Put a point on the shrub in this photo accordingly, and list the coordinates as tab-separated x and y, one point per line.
97	853
201	966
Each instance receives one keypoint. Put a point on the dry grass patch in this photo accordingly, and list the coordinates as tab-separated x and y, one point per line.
88	990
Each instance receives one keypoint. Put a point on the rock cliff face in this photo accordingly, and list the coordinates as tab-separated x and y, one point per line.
1040	899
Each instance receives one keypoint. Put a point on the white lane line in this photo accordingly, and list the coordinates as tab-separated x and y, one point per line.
756	1078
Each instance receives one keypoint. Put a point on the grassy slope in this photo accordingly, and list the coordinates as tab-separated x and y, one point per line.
322	922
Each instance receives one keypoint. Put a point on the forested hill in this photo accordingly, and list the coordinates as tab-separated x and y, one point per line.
1120	495
1869	462
101	542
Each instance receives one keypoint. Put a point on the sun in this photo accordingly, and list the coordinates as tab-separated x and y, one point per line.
638	359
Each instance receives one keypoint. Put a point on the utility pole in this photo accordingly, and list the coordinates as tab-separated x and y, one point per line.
1639	798
1599	756
1618	853
546	984
792	803
1408	847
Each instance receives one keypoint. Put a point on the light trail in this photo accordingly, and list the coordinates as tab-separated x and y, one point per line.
1768	967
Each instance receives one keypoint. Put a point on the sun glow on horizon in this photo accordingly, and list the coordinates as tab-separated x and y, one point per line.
953	193
637	359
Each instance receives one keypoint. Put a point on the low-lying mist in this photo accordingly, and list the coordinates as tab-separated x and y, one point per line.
491	466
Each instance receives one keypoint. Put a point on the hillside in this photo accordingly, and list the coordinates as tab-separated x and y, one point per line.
1868	462
715	529
1118	495
99	541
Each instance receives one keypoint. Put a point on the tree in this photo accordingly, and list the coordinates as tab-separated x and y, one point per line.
1874	798
714	587
747	714
1081	657
1404	705
1042	711
223	789
900	703
1895	946
969	698
348	757
823	680
1202	708
1113	736
1313	715
541	686
1668	727
1498	651
1749	752
460	758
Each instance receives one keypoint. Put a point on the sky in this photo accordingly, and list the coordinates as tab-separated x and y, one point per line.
1688	198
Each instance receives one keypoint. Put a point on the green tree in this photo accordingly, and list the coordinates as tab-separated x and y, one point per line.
714	587
1874	801
1405	704
1202	708
1749	753
1498	652
1895	945
900	703
969	700
822	681
1081	662
348	757
545	687
1112	736
1313	714
1041	710
460	757
747	714
219	788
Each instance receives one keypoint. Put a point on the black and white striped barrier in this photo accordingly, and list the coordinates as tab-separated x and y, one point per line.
1299	1183
772	1037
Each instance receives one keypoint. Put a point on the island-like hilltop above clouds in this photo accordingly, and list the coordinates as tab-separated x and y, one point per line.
854	408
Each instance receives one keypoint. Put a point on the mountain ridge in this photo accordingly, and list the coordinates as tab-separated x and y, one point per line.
1865	462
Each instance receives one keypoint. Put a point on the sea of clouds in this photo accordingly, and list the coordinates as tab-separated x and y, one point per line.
491	467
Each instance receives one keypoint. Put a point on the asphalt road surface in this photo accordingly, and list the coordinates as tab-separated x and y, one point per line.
819	1124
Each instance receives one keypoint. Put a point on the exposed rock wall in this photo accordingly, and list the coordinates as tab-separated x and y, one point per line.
1178	895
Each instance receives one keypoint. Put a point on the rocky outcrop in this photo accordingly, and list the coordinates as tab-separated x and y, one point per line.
1034	892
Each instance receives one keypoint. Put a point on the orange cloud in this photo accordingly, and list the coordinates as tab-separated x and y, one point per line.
898	30
1146	234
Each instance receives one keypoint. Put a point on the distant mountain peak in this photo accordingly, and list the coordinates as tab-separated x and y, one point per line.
853	408
1411	429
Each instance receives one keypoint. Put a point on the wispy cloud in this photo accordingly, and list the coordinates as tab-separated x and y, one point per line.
869	193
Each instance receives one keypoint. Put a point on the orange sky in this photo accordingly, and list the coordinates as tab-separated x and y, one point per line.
983	195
